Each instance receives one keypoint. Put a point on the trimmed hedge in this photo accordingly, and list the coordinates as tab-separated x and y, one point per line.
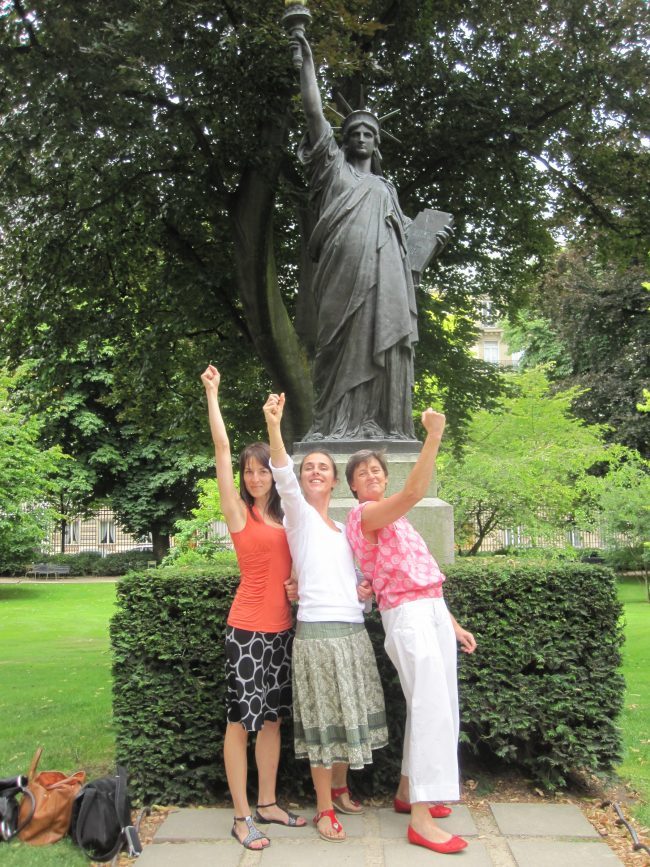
542	691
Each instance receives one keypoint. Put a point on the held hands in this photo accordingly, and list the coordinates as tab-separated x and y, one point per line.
211	379
364	590
434	423
291	588
273	409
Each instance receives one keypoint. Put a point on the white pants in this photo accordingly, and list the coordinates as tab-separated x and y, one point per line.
421	644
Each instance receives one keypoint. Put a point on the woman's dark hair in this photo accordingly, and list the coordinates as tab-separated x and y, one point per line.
320	452
262	454
362	457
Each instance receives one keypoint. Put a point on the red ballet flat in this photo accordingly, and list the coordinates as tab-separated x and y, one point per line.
436	811
455	844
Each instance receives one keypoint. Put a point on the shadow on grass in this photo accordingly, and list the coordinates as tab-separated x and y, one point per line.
17	591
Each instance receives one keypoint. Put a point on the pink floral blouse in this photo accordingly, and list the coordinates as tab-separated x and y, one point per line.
399	566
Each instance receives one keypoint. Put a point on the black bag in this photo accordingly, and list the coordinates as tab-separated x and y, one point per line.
9	806
101	819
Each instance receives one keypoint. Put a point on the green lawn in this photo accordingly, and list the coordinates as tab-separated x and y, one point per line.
55	671
635	719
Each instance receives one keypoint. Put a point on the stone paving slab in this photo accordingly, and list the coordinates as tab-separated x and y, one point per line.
215	823
511	835
398	854
191	855
282	853
392	824
548	853
542	820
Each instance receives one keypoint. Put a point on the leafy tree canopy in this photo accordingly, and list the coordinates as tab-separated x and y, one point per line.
525	463
28	480
592	321
150	192
149	479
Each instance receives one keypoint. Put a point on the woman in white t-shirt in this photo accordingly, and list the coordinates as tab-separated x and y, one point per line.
338	701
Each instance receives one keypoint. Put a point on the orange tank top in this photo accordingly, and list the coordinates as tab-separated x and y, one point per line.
260	603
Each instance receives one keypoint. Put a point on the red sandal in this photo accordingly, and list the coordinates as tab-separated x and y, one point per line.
336	825
356	807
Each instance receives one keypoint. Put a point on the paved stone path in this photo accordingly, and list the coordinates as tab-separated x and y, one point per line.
511	835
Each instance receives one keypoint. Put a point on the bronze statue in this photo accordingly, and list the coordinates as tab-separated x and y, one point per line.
363	280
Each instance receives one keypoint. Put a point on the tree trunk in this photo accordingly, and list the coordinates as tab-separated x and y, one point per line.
273	335
483	530
160	543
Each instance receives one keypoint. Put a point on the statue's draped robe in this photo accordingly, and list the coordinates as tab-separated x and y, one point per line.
365	300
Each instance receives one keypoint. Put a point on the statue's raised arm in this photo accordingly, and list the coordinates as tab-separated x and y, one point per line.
311	101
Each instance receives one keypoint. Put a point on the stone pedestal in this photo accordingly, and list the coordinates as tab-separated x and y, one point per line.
432	517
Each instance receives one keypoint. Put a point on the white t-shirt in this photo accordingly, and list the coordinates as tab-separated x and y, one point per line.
322	557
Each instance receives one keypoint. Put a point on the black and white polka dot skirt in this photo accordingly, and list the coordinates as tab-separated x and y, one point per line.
258	672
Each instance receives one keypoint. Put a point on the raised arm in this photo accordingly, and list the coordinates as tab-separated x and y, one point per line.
311	101
232	505
376	515
293	502
273	409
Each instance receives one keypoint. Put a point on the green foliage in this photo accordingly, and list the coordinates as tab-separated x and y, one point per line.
624	502
169	684
91	563
523	464
540	555
28	480
122	562
149	194
149	475
154	486
632	558
195	539
591	319
85	563
542	692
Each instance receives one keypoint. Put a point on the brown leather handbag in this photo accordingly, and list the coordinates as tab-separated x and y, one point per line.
54	794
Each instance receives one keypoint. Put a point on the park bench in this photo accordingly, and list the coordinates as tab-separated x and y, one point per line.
47	570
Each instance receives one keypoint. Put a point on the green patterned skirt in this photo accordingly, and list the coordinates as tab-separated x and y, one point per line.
338	700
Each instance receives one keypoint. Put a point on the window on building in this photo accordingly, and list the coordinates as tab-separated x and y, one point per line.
491	351
574	537
106	532
488	313
513	536
516	358
71	535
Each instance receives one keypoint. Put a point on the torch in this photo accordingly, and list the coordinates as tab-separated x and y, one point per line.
296	17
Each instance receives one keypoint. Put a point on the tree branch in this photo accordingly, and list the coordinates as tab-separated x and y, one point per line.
27	24
580	193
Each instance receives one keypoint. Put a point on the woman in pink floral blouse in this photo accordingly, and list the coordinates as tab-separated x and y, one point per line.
421	634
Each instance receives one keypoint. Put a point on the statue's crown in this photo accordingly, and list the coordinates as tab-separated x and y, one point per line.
356	116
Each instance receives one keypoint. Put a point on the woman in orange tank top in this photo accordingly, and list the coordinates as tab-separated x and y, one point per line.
259	635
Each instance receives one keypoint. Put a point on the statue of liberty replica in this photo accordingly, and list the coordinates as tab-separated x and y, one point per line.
364	250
